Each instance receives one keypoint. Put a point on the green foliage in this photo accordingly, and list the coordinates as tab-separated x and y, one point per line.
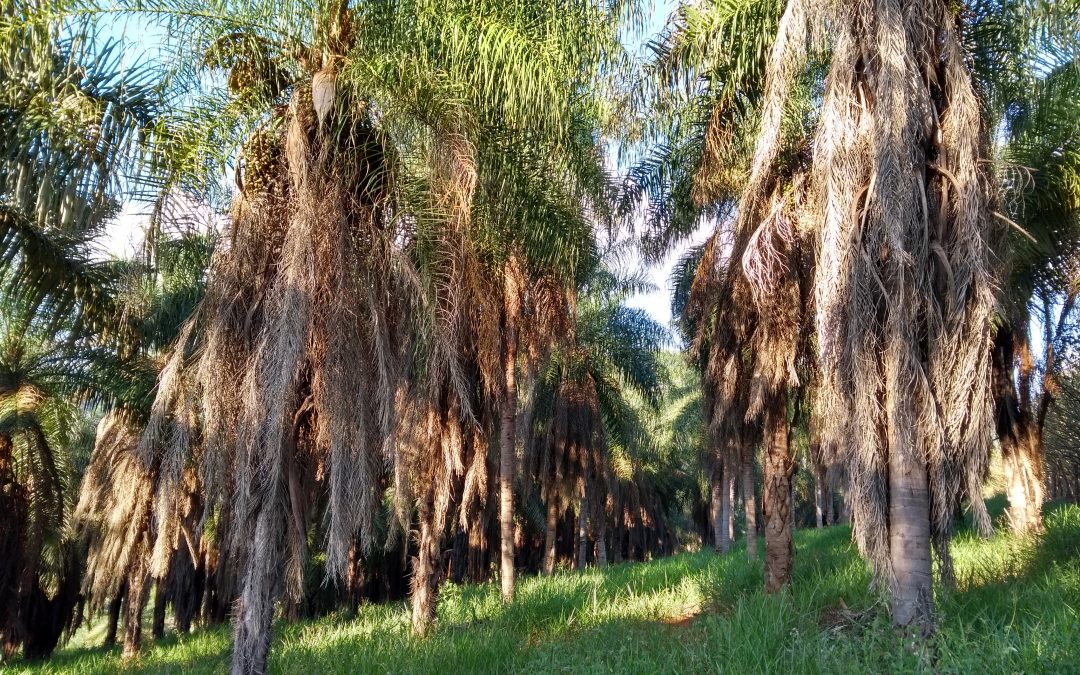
80	124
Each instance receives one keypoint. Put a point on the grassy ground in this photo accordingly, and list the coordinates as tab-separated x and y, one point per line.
1015	609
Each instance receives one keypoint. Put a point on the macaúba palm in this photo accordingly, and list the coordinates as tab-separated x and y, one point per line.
585	418
1038	157
741	295
43	443
352	303
894	201
114	513
900	207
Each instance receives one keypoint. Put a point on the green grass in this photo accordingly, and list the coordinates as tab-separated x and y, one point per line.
1015	609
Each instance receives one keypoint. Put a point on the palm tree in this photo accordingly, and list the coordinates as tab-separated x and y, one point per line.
354	302
114	511
745	328
895	313
79	123
1038	156
43	442
587	431
546	228
901	210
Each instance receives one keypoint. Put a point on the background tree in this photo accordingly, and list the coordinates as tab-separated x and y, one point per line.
43	444
1025	59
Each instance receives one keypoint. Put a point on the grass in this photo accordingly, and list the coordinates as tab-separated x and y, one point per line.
1015	609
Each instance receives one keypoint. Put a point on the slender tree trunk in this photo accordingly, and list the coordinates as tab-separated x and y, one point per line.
508	440
718	516
830	507
549	534
618	535
723	528
138	587
601	541
583	533
113	621
820	489
425	582
157	627
1022	460
729	487
779	550
749	503
260	588
186	581
478	547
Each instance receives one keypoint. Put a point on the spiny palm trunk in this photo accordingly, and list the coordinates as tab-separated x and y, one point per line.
749	503
478	546
729	514
13	525
508	437
549	534
821	493
779	551
259	591
718	495
1022	459
601	540
187	583
618	534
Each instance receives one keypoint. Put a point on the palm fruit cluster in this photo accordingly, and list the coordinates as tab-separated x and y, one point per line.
261	156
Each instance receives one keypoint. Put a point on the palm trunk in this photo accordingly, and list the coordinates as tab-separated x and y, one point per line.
909	539
820	491
508	438
618	535
729	516
717	511
583	534
779	551
187	581
1020	437
1022	460
425	582
830	507
549	534
113	621
723	528
749	503
138	587
601	541
259	592
263	578
157	627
